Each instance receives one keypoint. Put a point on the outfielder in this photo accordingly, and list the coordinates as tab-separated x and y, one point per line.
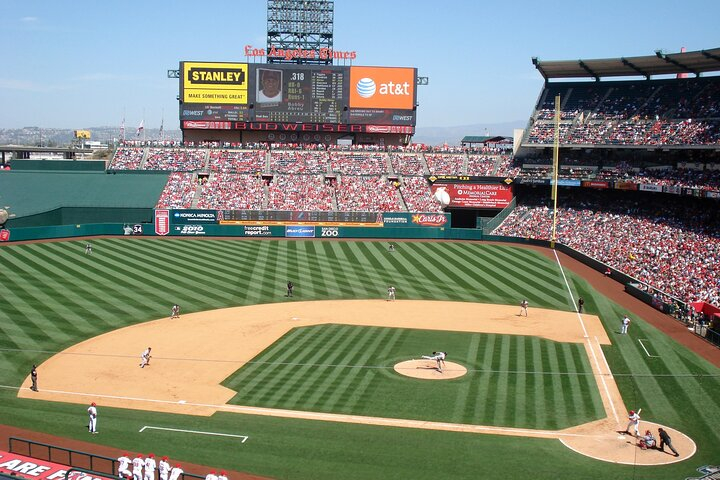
439	357
634	421
150	466
175	311
145	357
123	464
624	325
138	464
391	293
164	468
92	413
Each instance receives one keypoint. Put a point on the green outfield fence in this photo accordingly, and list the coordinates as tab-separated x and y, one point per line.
78	460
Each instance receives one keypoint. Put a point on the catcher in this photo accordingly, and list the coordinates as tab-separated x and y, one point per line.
648	441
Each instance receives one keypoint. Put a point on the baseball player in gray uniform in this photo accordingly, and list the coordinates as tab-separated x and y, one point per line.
145	357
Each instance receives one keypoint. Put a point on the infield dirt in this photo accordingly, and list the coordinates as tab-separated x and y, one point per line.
192	355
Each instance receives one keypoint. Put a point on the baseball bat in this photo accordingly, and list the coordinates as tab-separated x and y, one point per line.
639	410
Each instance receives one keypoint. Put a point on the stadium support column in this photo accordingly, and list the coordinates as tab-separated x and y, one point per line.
556	161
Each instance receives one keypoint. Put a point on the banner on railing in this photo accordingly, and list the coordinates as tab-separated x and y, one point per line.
28	467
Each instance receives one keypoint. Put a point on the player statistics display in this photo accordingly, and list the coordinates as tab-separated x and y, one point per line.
299	93
229	217
476	195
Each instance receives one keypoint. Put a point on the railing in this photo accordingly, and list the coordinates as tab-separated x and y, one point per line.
76	459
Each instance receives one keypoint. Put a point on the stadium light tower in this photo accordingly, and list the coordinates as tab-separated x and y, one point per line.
303	24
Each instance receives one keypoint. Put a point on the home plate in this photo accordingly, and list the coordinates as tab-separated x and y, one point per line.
295	318
182	401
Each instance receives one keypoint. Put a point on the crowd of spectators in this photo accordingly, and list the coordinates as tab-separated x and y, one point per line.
127	159
407	164
481	165
417	195
674	248
175	159
240	161
179	191
232	191
300	193
679	112
445	164
358	164
299	161
366	194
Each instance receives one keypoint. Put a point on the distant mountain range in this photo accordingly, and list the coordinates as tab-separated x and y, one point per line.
54	137
453	135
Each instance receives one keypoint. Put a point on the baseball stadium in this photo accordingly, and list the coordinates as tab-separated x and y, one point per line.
268	298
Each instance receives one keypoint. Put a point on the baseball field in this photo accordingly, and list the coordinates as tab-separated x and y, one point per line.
330	382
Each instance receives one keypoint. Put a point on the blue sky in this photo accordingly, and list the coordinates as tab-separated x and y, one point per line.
78	64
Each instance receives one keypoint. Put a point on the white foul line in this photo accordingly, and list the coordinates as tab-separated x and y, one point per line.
590	346
244	437
640	341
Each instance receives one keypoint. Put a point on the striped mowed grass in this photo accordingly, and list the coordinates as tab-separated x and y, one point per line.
53	296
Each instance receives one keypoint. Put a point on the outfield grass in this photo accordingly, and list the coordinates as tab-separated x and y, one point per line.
54	296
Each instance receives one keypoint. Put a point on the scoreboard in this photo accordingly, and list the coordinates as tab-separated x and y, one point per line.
309	95
229	94
267	217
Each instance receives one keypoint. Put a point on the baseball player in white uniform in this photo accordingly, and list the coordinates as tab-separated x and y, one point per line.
634	421
223	475
138	464
624	325
150	467
123	464
92	421
212	475
164	468
439	357
145	357
176	472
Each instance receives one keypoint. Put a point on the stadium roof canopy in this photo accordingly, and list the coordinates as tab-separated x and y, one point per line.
698	62
482	139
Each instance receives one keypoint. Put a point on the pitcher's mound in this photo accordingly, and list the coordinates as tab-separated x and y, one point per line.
427	369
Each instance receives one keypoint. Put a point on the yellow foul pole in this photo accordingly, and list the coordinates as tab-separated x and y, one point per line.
556	161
